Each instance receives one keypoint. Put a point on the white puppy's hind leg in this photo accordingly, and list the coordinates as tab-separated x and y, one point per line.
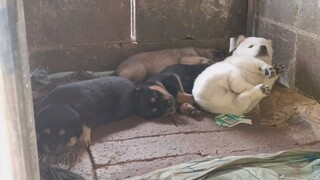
247	100
238	84
270	81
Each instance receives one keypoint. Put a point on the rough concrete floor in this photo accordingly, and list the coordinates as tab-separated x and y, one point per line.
135	146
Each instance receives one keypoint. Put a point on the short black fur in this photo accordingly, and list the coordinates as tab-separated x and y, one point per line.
93	102
174	79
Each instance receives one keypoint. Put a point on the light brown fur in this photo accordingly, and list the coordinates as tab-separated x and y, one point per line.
141	66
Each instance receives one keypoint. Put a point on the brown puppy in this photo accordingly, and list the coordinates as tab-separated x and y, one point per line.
139	67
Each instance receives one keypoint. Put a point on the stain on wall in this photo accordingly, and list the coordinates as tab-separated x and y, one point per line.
66	35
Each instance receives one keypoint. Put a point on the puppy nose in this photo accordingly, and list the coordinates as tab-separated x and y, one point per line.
169	103
263	48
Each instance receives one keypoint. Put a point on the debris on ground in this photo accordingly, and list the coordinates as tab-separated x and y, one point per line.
229	120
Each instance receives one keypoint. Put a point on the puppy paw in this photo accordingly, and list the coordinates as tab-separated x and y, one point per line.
269	72
189	109
195	112
84	141
265	89
210	62
203	60
85	137
279	68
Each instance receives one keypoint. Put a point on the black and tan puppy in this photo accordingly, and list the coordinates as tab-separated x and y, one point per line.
141	66
162	93
69	112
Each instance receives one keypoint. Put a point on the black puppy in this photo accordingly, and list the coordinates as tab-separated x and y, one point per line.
159	95
69	112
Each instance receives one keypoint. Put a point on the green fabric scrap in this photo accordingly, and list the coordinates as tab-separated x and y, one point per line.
229	120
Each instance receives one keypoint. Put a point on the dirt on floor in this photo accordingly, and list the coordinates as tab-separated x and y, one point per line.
135	146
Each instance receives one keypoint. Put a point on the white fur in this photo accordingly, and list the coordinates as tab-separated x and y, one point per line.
233	86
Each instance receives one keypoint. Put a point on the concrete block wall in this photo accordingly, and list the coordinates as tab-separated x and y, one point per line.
66	35
294	26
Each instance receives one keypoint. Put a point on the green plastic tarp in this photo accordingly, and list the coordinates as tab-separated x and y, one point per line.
288	165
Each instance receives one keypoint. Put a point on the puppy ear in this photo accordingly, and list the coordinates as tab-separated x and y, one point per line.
240	39
270	42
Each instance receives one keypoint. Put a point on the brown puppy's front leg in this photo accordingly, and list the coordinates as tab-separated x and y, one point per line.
183	97
195	60
85	137
189	109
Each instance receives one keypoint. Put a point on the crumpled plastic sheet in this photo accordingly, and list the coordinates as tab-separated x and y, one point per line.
293	165
65	160
48	172
41	76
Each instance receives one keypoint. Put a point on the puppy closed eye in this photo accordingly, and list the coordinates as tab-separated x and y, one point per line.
251	46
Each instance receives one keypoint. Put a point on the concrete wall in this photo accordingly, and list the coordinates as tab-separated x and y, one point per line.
66	35
294	25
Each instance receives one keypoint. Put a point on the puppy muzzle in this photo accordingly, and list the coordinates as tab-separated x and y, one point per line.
263	51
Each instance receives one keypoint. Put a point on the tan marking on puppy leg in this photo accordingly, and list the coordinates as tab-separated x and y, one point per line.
185	98
188	109
85	137
72	141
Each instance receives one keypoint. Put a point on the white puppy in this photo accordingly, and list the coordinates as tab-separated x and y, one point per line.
237	84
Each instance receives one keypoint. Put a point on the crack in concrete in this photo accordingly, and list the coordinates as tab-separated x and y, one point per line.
144	160
292	63
141	137
158	135
95	177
